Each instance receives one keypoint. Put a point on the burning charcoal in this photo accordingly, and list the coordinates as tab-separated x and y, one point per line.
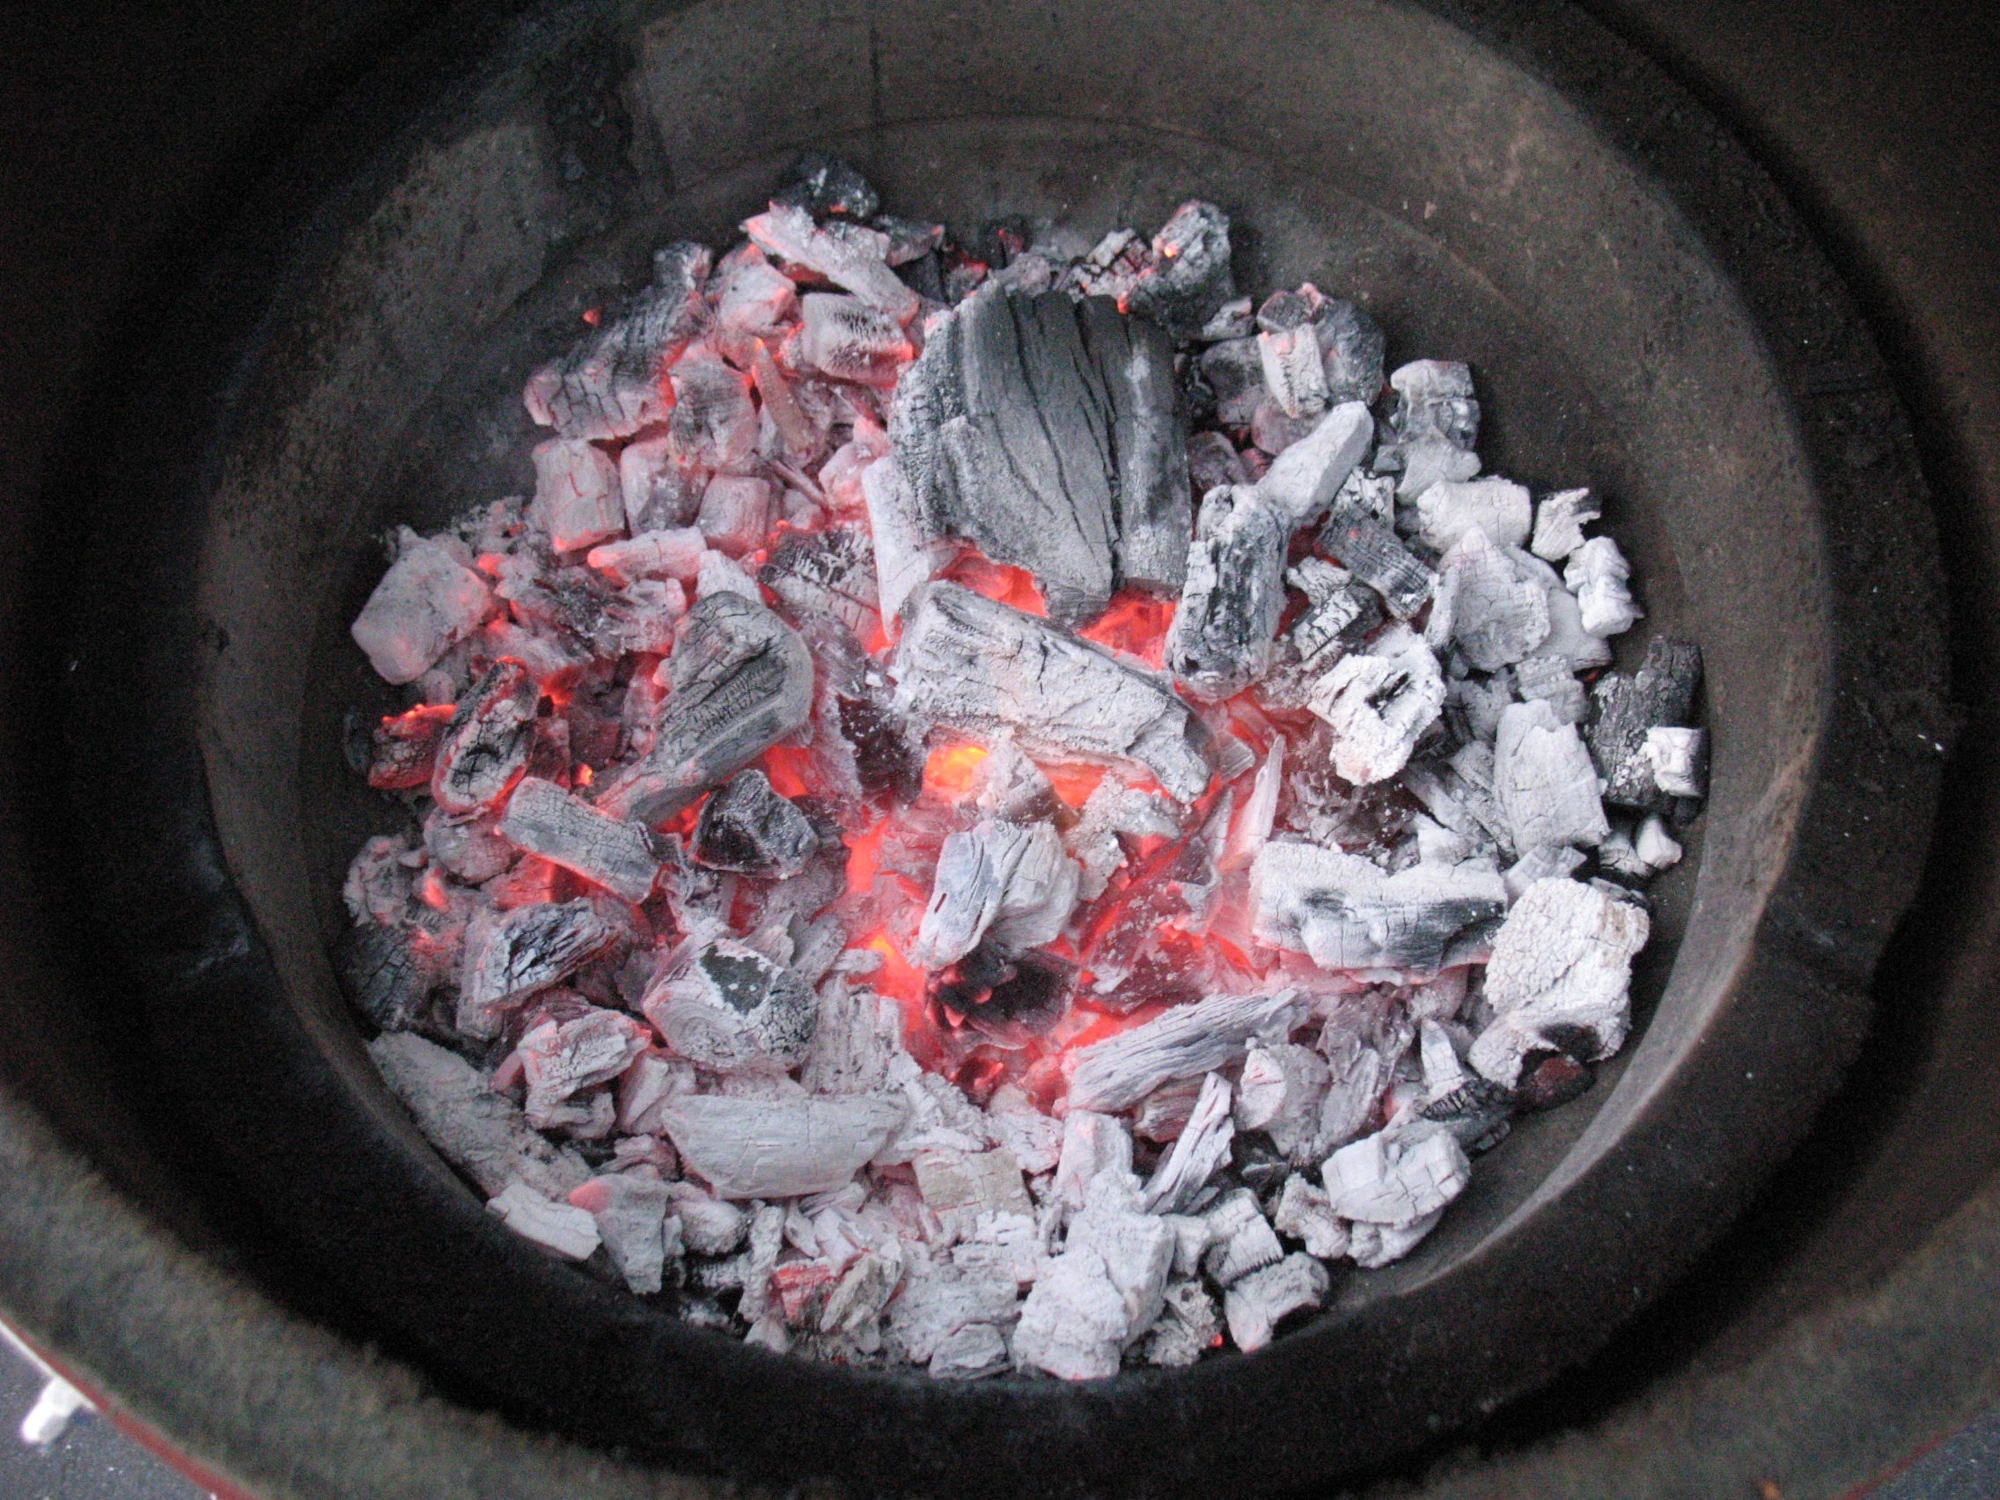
1549	1080
1233	320
939	1299
1394	1179
1447	510
1119	1071
1597	574
1303	480
1198	1153
1654	845
1437	419
1112	266
1559	523
404	747
742	681
1114	809
1256	1305
1190	278
1378	703
830	572
1550	680
1659	695
485	746
427	602
630	1213
476	1130
1305	1213
709	1226
1289	351
1281	1093
1562	961
377	887
509	956
1148	435
659	485
973	872
1343	911
1075	1322
1679	758
578	500
735	514
714	422
1233	598
653	554
1351	349
846	339
1234	371
1240	1238
1188	1328
546	821
749	828
968	663
565	1232
1252	826
1371	552
960	1186
1138	1252
727	1007
611	384
751	296
1376	1245
1040	894
1008	999
390	971
825	185
1367	497
560	1058
1342	613
907	554
721	574
1492	615
972	1351
850	256
1544	780
778	1148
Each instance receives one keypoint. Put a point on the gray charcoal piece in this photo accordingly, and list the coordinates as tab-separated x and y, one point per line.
846	339
510	955
1190	277
1303	480
1447	510
748	828
391	970
1660	695
1048	432
1183	1042
779	1148
1351	348
1233	597
966	662
485	747
1397	1178
1347	914
852	257
1559	522
1434	398
1379	702
1372	553
1255	1305
427	602
610	384
1234	371
1544	781
1552	680
825	185
742	680
546	821
1289	348
478	1131
908	549
830	572
1494	616
726	1007
1213	460
1198	1153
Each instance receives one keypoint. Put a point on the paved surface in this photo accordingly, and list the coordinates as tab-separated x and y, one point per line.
92	1461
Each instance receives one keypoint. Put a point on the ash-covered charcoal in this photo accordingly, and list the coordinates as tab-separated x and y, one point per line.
612	384
748	828
851	256
1303	480
1378	702
1233	371
782	1147
1213	461
742	680
390	970
1198	1153
1679	758
1256	1305
728	1008
1233	598
1559	522
908	553
481	1133
966	662
1370	551
660	486
830	572
1659	695
578	499
544	820
485	746
1436	422
1347	914
1544	781
1190	277
1184	1042
428	601
844	338
1447	510
1551	680
1351	348
562	1055
1288	347
825	186
511	955
404	747
1597	574
1484	607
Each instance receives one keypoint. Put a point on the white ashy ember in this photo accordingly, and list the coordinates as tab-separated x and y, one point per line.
1001	817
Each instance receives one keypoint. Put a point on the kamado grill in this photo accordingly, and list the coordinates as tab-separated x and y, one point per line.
1640	309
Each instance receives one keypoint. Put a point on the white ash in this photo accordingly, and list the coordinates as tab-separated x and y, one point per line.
1095	1038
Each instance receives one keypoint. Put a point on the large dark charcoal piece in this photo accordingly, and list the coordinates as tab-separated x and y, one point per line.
748	828
1659	695
1049	432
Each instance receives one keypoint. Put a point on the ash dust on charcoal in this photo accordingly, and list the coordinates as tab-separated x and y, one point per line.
1001	813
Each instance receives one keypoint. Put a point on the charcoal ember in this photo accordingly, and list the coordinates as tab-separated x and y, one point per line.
742	680
648	1081
578	499
1475	1112
509	956
1305	1212
1396	1179
1233	372
1342	613
1346	913
1148	437
1250	828
1378	702
722	574
1304	479
1550	1079
830	572
735	514
1272	432
1255	1306
1559	522
1114	812
1368	497
1077	1320
779	1148
851	256
968	663
907	552
1679	758
751	297
1190	277
1213	461
472	849
1447	510
391	971
1281	1092
561	1229
997	881
1551	680
1459	793
1189	1326
1484	607
1199	1151
429	600
1544	781
748	828
1598	575
377	887
560	1057
1163	1114
1545	863
1561	967
1009	786
1233	598
544	820
940	1301
1240	1240
404	747
611	384
1436	420
481	1133
630	1212
1351	348
844	338
1127	934
962	1186
1010	999
792	434
1288	348
1184	1042
659	484
1371	552
714	422
485	746
912	241
1659	695
868	745
727	1008
825	185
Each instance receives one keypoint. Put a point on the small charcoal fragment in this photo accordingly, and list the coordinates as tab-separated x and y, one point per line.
610	385
485	746
1624	709
825	185
1190	277
1233	598
748	828
727	1007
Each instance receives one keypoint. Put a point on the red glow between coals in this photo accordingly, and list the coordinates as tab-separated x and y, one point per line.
1136	624
1005	585
952	768
788	767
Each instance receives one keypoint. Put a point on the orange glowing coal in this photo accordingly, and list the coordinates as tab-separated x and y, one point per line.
952	768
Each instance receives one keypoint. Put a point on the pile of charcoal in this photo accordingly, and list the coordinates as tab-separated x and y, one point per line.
885	873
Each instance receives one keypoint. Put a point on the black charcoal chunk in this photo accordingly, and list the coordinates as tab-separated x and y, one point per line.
1008	999
611	384
825	185
1351	346
391	970
1190	277
748	828
1371	552
1659	695
485	746
1476	1112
